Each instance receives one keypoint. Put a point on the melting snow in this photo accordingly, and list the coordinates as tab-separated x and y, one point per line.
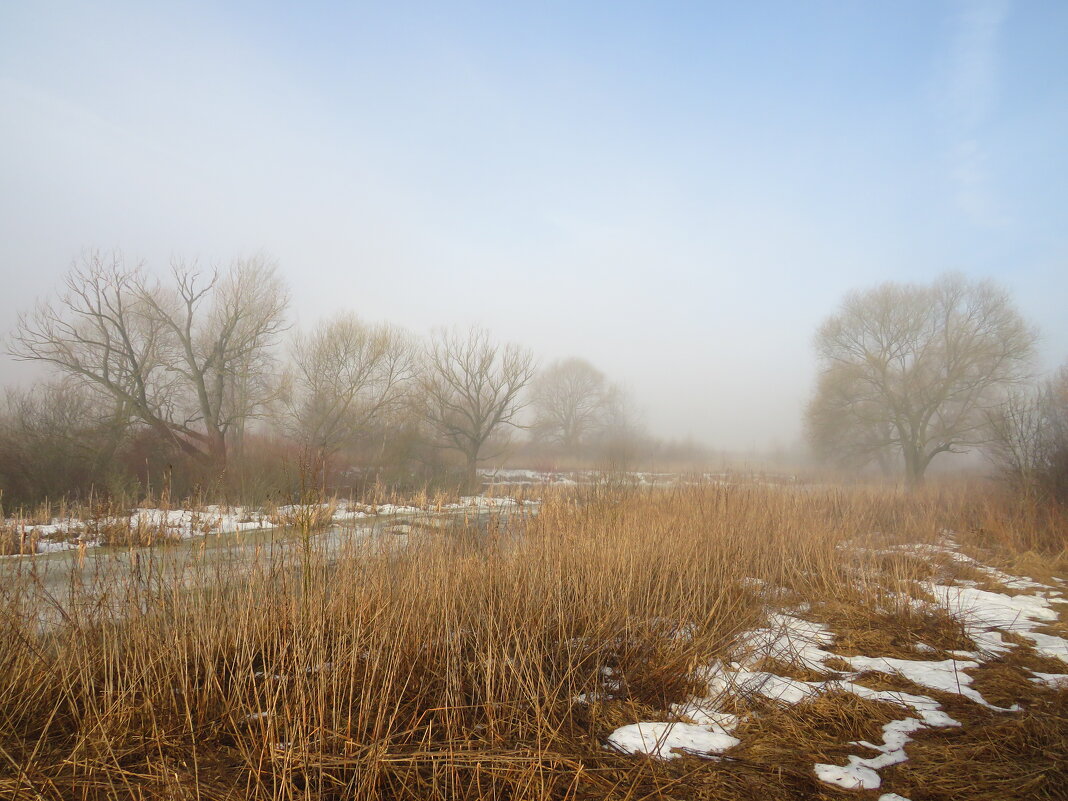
1058	681
661	739
982	611
64	535
788	638
947	675
860	772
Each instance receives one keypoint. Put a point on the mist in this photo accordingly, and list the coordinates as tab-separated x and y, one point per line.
677	195
558	400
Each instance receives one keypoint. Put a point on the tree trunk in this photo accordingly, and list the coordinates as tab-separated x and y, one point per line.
217	452
471	482
914	468
886	466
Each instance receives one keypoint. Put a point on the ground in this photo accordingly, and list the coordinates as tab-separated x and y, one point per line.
686	640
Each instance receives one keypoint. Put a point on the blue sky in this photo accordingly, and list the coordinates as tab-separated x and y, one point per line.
679	192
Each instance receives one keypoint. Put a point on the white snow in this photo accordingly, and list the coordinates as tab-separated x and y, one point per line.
789	639
738	681
930	711
182	524
854	776
703	712
1048	644
1058	681
982	611
947	675
993	609
860	772
661	739
481	502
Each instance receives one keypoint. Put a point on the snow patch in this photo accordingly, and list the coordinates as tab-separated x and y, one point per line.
982	611
665	740
1058	681
947	675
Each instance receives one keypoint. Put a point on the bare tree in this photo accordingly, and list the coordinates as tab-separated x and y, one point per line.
915	369
346	375
1029	437
622	436
845	428
56	438
569	399
471	388
181	358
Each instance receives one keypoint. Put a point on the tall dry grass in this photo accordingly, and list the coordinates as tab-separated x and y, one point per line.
446	667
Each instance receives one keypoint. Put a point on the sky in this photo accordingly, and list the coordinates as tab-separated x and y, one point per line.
677	192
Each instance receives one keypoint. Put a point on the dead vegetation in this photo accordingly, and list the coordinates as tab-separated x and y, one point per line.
478	666
888	627
1019	756
309	516
15	539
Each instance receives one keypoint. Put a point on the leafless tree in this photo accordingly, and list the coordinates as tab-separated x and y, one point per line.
569	400
915	368
58	438
1029	437
471	388
346	376
622	435
845	428
183	358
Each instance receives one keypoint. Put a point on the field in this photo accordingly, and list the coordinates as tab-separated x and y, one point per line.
686	642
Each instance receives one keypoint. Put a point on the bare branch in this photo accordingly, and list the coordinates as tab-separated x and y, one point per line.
912	370
471	387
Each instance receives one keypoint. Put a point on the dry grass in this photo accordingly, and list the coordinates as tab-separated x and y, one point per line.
449	668
15	539
817	730
309	516
884	625
1019	757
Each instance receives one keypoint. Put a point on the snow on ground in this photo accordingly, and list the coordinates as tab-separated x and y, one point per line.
703	729
789	639
522	477
986	614
1058	681
859	773
181	524
662	739
534	477
947	675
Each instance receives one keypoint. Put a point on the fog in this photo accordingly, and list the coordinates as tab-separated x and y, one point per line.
677	193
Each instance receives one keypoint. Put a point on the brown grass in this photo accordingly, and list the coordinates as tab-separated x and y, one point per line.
308	516
1020	757
15	539
449	668
816	730
885	626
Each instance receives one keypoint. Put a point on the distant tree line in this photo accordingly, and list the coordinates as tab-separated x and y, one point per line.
195	382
